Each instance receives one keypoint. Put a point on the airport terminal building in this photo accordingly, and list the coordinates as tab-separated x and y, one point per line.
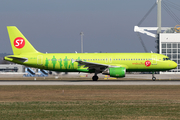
6	66
169	45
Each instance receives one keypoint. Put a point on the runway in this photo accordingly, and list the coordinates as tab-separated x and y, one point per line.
88	82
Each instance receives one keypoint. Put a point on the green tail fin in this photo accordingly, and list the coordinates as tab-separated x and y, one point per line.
19	43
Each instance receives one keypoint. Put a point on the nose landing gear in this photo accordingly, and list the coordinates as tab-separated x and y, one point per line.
153	78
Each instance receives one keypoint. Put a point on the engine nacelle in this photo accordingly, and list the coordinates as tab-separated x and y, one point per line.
115	72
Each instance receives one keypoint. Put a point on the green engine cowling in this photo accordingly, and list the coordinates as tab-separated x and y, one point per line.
115	72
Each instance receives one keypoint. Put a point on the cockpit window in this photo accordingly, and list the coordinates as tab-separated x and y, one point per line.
165	59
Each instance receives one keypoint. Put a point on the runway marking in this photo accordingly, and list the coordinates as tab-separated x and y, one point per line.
87	82
82	76
112	78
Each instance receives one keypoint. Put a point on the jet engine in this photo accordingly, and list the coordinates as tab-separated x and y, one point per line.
115	72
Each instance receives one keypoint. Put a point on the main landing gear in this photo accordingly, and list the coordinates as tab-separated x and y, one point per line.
153	78
95	77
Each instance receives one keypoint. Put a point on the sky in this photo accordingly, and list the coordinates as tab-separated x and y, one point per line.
54	26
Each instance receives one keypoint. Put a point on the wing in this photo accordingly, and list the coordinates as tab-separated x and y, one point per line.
93	66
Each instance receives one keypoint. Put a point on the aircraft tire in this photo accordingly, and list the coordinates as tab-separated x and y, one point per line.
153	78
50	72
95	78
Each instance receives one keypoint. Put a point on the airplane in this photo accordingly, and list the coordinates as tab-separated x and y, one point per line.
112	64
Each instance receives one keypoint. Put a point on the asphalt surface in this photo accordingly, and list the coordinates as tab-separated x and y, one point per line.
88	82
86	79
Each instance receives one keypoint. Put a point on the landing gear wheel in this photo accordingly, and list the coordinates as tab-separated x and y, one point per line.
95	78
153	78
50	72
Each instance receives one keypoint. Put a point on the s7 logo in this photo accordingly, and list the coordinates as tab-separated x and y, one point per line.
147	63
19	42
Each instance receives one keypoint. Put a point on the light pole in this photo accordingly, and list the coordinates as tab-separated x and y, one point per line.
158	22
81	33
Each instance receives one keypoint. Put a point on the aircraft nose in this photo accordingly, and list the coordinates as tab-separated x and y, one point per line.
174	64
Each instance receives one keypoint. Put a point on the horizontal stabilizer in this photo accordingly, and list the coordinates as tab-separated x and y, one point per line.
16	58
